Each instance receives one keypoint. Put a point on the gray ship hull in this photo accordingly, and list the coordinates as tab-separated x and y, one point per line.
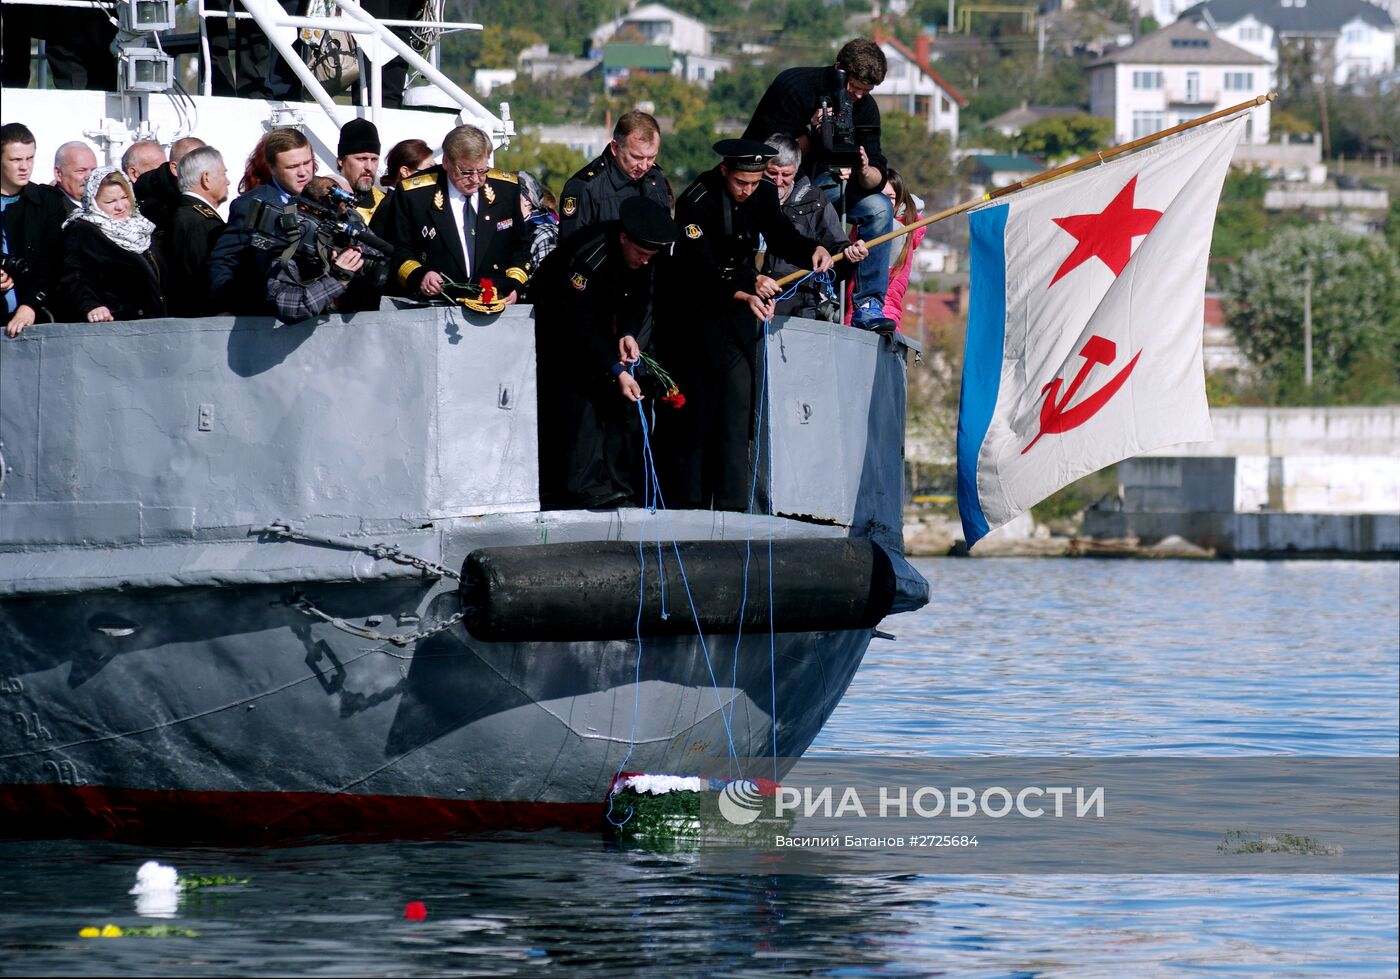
163	678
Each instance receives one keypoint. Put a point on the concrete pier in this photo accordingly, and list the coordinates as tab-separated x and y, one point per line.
1275	482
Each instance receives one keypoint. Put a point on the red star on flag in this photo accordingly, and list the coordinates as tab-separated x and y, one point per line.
1108	235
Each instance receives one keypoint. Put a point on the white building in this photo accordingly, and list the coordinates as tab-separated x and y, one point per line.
656	23
1356	36
588	140
699	68
911	85
1175	75
487	80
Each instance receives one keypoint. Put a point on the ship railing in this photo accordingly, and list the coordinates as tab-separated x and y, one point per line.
375	35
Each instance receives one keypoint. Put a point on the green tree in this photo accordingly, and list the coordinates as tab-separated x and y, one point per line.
552	163
1061	137
1355	313
539	102
920	155
1241	224
501	48
687	153
670	98
734	94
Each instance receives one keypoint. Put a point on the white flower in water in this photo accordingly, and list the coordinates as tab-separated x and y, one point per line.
155	877
664	784
157	890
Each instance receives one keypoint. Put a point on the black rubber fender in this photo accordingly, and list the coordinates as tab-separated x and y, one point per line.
590	590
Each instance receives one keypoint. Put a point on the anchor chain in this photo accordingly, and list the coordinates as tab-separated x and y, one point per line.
305	606
384	552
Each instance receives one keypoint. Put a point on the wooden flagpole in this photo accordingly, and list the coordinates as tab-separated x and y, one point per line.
1060	171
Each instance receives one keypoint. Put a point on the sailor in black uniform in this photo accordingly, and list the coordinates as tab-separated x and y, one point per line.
721	217
456	228
593	319
626	169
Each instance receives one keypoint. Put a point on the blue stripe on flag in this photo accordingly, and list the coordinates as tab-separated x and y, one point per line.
981	379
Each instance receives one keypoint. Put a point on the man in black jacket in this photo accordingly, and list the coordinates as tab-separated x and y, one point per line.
158	191
721	298
238	270
456	228
811	214
626	169
31	218
792	106
593	319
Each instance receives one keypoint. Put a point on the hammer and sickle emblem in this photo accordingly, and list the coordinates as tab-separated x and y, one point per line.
1059	417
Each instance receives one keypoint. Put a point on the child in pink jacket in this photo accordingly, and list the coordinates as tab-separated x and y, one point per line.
906	211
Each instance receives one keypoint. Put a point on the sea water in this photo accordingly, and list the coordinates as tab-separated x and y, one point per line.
1083	658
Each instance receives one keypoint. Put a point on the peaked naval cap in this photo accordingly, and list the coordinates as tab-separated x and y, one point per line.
747	155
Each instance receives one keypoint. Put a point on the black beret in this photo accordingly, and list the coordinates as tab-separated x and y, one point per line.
647	223
748	155
358	136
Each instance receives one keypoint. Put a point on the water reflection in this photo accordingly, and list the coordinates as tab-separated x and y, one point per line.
1016	657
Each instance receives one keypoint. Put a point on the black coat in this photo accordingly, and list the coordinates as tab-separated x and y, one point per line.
238	272
194	229
33	229
418	220
787	108
158	195
97	272
716	251
595	194
811	214
585	299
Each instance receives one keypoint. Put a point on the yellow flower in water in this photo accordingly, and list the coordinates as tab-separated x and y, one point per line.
90	932
111	931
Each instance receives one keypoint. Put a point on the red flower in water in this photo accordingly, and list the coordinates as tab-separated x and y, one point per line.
488	291
674	398
415	911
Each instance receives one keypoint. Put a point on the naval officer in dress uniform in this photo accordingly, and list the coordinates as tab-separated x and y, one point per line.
457	225
721	217
626	169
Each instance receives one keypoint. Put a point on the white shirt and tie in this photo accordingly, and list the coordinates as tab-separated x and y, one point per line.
464	213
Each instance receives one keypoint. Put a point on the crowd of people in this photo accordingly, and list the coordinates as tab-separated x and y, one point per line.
637	292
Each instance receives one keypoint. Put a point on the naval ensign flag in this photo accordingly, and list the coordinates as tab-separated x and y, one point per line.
1084	324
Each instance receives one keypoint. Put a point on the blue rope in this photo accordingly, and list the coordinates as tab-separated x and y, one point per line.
649	464
753	488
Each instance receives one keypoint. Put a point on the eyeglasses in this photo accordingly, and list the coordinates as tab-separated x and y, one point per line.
464	174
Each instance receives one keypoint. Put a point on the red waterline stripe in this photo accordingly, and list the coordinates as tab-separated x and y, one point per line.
171	816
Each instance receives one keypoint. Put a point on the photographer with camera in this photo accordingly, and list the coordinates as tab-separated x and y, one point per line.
836	125
325	258
238	270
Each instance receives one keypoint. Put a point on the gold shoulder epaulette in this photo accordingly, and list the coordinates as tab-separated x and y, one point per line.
506	175
418	180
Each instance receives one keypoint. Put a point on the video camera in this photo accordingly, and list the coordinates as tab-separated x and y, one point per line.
839	127
323	227
18	268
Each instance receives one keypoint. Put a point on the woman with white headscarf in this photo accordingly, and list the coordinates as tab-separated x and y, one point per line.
110	270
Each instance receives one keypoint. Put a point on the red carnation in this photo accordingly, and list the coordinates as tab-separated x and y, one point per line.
415	911
674	398
488	291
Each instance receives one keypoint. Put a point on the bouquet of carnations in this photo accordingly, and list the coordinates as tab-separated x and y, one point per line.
671	395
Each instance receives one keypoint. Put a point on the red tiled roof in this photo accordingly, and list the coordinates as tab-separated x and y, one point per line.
881	37
1215	312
